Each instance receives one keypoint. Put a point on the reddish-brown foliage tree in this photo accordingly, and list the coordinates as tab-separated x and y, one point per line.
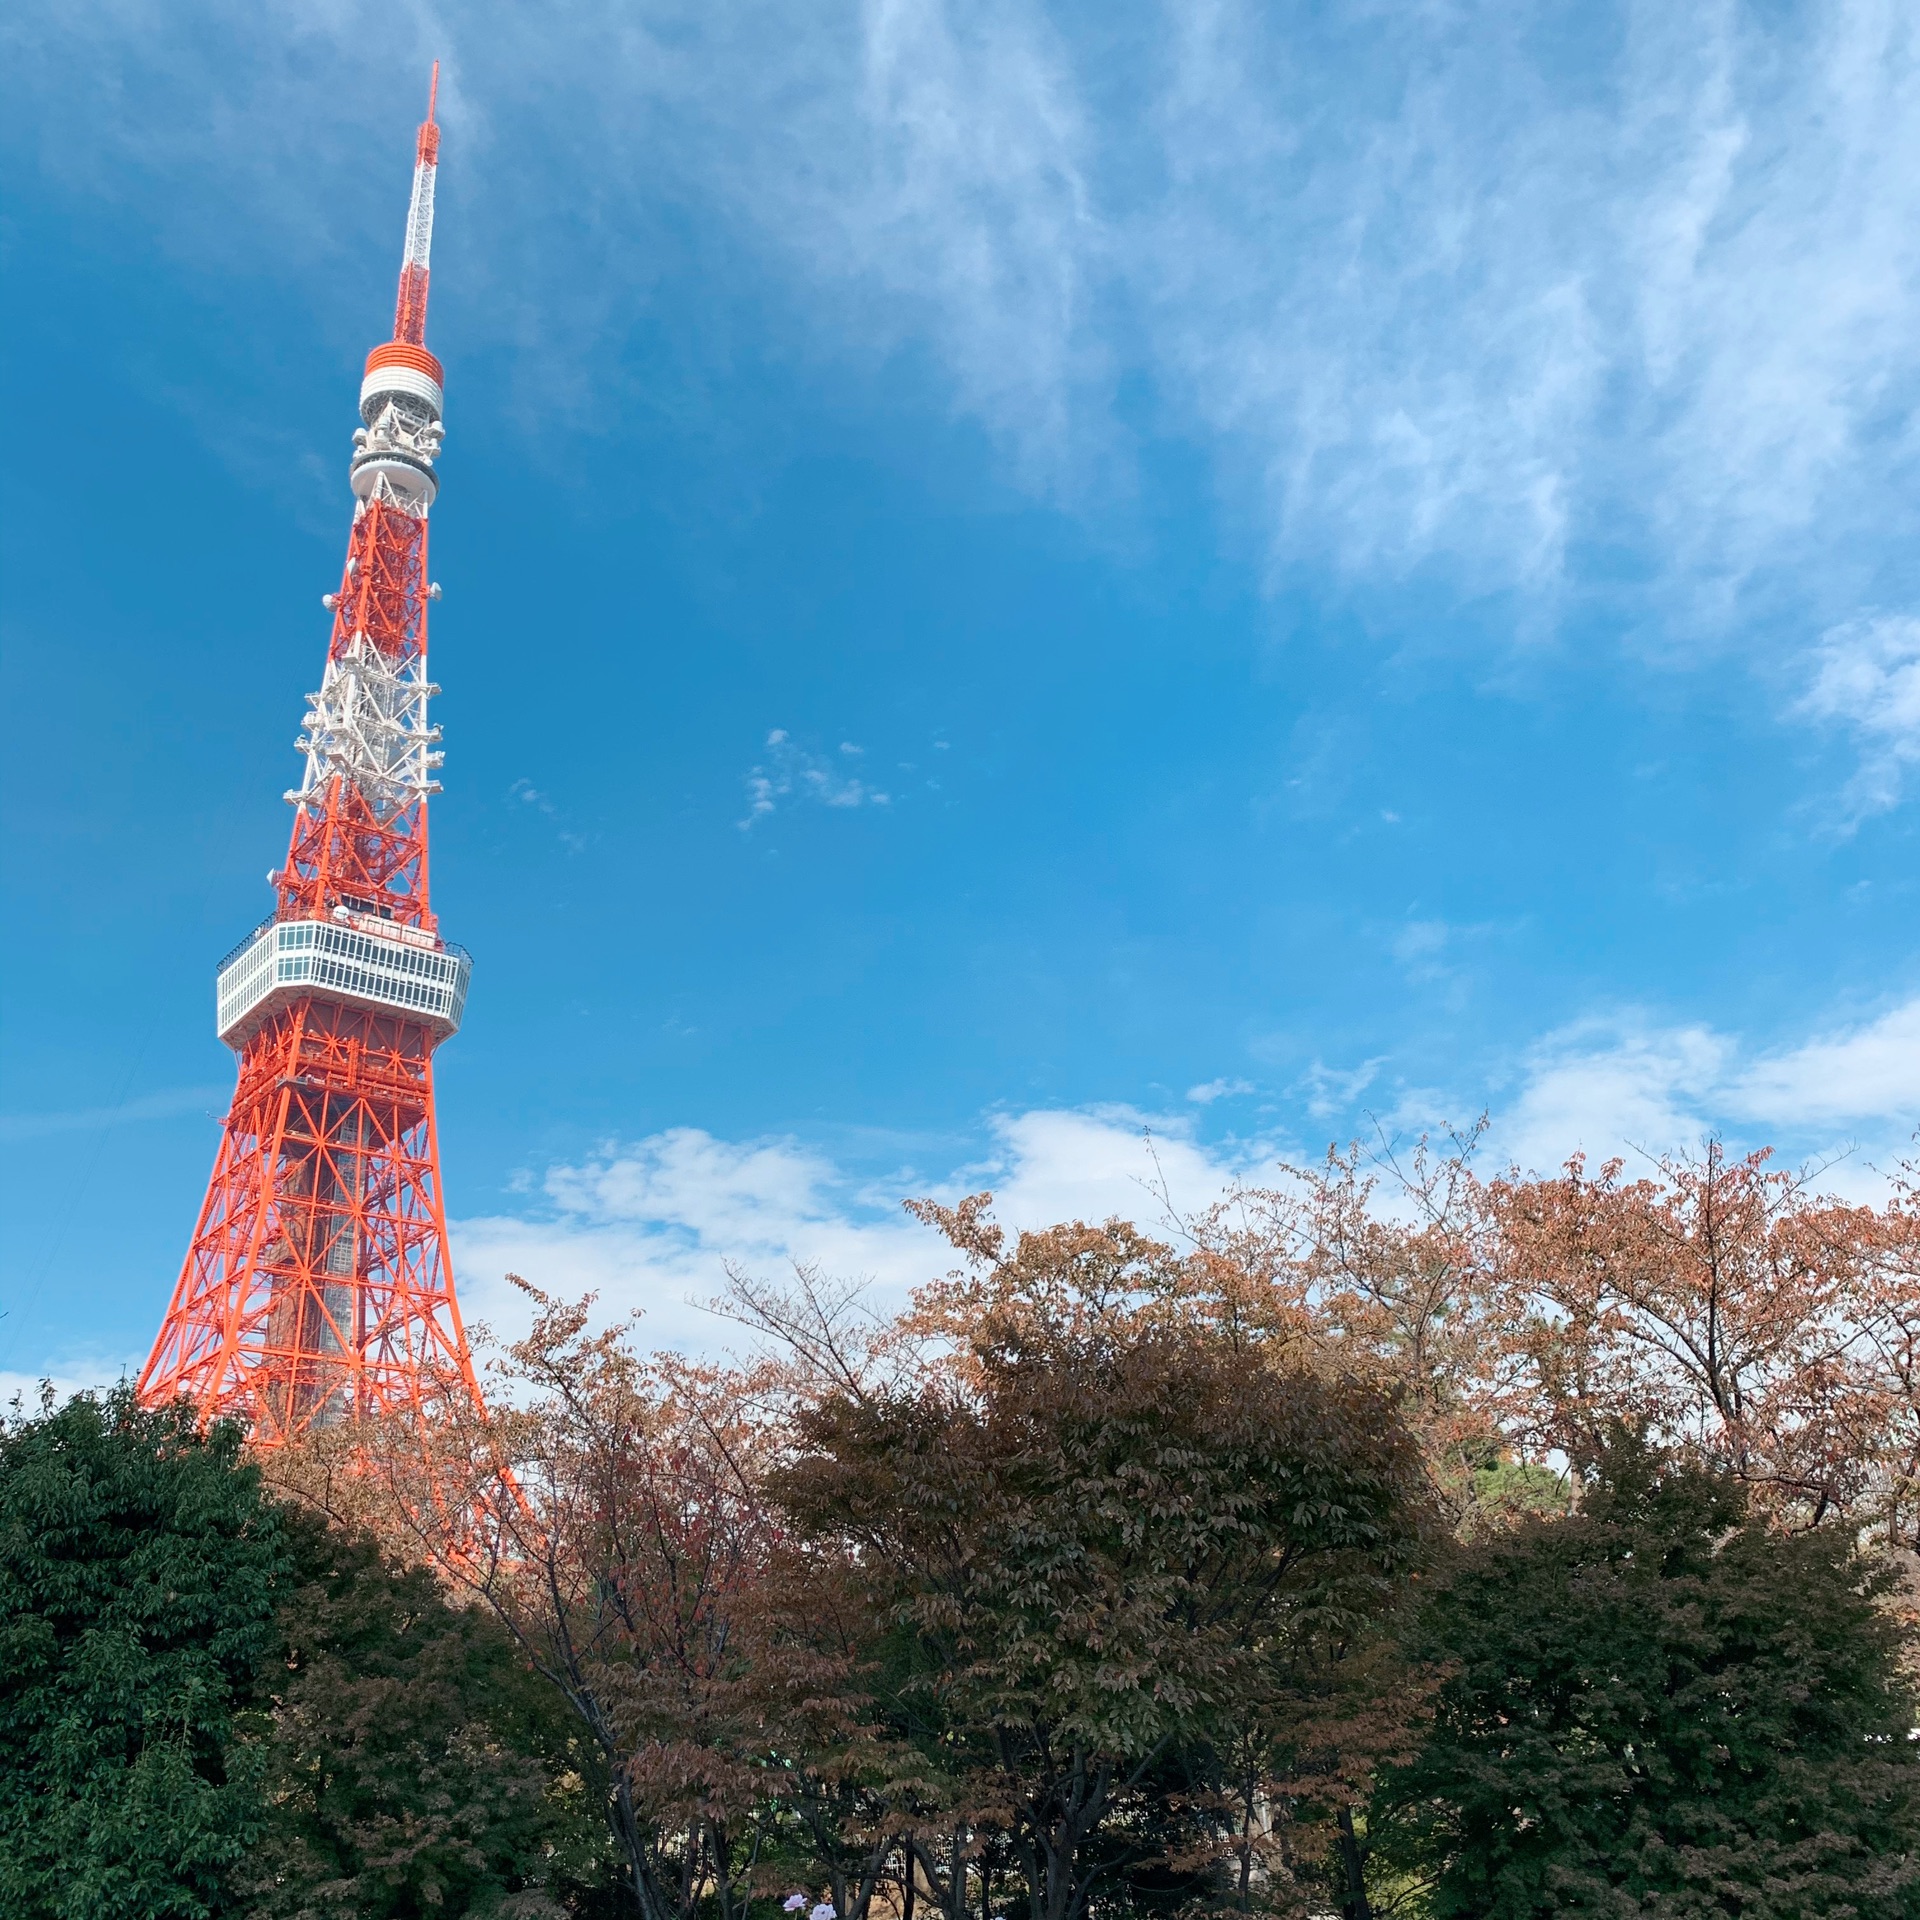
1133	1558
1385	1267
1719	1303
606	1508
1724	1305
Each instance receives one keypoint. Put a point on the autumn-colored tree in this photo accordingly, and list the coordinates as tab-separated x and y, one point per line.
1383	1264
1113	1557
609	1510
606	1510
1723	1305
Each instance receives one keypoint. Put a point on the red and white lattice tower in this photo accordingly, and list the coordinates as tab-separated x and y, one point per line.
318	1287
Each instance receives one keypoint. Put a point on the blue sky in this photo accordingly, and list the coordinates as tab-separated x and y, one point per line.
1013	577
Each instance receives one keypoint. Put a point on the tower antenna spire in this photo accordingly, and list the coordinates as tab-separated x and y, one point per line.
410	309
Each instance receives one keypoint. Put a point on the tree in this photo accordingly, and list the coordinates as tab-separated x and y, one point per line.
1727	1306
1724	1303
1104	1551
606	1511
414	1765
213	1705
140	1573
1659	1706
1409	1294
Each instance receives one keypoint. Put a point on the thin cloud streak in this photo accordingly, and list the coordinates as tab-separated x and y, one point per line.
1486	295
168	1105
1865	678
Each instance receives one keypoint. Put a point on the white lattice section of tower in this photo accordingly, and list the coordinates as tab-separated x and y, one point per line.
369	721
420	217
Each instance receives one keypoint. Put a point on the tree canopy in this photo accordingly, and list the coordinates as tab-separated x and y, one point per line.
1106	1553
413	1764
140	1573
1659	1706
1118	1577
212	1704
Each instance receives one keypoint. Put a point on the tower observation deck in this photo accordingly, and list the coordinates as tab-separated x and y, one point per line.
318	1286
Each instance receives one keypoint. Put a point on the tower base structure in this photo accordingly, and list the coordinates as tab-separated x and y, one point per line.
318	1286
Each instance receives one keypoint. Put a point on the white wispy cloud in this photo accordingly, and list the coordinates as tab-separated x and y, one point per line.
1602	1086
1865	677
1605	1085
1330	1091
1508	280
1866	1073
1476	293
969	204
653	1223
1208	1091
791	772
1421	947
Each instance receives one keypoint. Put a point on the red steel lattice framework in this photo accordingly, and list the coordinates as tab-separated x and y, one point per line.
318	1286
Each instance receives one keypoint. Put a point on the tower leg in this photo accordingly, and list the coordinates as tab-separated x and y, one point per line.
319	1286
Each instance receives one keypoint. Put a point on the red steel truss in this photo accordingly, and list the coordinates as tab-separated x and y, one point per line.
318	1285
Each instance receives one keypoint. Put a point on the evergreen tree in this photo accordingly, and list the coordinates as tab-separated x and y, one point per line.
140	1573
212	1705
1658	1707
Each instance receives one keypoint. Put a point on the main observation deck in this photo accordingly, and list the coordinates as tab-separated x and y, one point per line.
358	958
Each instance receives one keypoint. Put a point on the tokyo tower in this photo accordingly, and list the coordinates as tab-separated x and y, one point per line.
318	1286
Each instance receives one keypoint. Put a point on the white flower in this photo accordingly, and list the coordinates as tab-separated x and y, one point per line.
795	1901
824	1911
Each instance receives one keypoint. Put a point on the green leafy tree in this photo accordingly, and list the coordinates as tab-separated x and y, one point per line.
415	1766
140	1574
213	1705
1658	1707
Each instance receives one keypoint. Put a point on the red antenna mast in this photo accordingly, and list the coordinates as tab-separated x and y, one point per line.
318	1287
410	310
